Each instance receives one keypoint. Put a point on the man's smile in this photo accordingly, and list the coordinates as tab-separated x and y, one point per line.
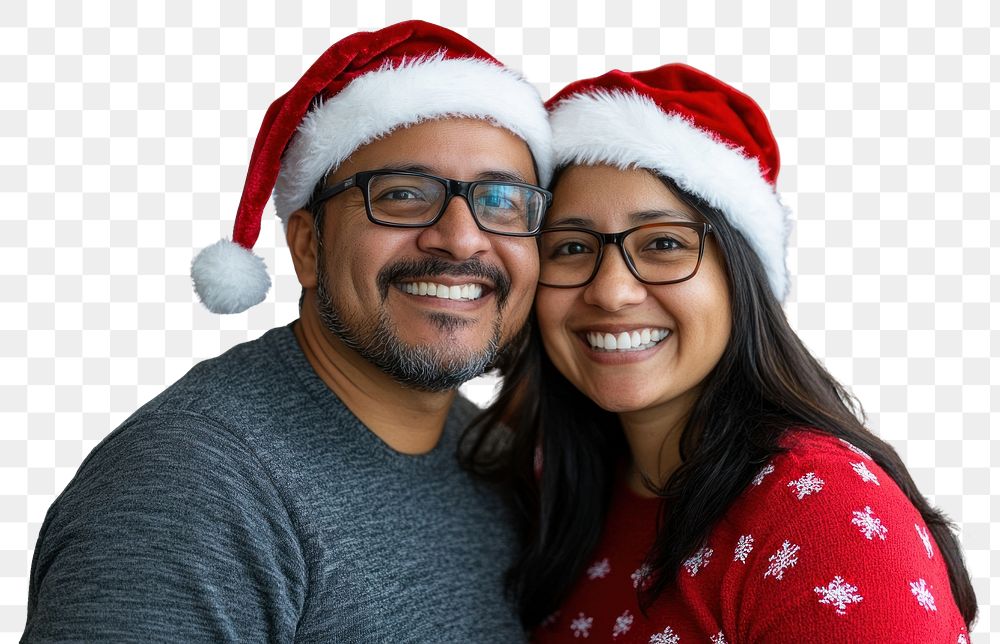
469	291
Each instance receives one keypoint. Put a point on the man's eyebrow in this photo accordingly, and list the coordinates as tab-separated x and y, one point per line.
488	175
502	175
404	167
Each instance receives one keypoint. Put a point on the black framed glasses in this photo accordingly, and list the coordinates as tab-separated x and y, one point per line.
416	200
657	253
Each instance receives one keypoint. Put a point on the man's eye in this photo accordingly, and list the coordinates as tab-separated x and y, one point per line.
495	201
401	194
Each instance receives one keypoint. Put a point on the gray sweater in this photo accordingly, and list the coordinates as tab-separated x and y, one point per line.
246	503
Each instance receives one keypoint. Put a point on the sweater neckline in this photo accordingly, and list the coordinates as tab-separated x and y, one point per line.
289	351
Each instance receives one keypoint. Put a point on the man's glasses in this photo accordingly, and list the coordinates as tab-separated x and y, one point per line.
658	253
417	200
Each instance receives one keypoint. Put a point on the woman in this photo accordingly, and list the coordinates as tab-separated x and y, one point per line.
688	471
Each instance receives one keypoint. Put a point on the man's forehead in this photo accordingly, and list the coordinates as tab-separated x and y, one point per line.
457	148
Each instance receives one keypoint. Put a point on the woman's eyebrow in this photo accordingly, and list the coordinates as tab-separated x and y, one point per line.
646	216
637	218
582	222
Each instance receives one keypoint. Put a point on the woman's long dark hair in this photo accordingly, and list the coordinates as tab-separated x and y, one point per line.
765	382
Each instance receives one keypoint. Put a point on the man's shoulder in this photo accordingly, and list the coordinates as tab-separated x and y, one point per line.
204	420
169	508
240	384
165	449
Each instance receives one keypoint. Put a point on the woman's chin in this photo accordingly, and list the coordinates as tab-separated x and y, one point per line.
621	402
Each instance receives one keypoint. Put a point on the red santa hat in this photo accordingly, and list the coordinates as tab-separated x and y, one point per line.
711	139
361	89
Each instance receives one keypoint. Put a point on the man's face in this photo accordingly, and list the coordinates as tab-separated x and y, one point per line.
371	277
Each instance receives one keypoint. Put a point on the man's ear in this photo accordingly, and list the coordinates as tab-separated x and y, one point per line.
300	234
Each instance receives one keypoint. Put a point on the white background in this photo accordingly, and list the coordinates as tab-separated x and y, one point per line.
125	129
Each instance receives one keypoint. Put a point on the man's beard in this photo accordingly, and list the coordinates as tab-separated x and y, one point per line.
426	367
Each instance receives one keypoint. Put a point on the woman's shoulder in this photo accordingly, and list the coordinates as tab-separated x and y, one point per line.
809	443
819	482
823	529
811	461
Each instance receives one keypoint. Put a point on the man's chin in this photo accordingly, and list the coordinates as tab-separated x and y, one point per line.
448	333
435	351
434	371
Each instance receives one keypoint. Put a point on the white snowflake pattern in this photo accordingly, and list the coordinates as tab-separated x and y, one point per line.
666	636
869	524
600	569
767	469
784	558
962	639
581	625
806	485
854	448
925	537
698	560
866	474
623	624
743	548
839	594
922	592
640	575
718	639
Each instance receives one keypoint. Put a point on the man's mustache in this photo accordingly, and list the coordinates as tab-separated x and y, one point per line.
433	267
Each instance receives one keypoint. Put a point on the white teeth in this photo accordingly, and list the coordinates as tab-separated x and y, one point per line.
443	291
637	340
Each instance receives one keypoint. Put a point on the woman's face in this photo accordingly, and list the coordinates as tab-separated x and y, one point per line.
692	316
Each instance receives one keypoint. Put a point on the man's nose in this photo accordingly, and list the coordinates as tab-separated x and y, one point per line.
456	235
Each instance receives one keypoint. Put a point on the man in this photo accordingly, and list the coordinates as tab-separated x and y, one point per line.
304	486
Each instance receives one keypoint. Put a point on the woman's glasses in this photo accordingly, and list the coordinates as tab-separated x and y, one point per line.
657	253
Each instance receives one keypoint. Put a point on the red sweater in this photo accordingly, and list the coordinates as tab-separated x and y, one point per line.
821	547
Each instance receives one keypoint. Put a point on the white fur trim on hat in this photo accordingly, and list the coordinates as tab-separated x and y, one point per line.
229	278
422	89
628	130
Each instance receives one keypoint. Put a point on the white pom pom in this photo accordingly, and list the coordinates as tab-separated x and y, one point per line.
229	278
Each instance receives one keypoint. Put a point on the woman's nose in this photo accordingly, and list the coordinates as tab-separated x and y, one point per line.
614	287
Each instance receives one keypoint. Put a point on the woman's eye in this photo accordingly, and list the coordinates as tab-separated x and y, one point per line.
664	243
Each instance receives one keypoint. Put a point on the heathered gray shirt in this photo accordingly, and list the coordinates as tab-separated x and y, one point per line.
246	503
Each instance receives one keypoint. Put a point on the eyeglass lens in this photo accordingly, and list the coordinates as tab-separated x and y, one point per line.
413	199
